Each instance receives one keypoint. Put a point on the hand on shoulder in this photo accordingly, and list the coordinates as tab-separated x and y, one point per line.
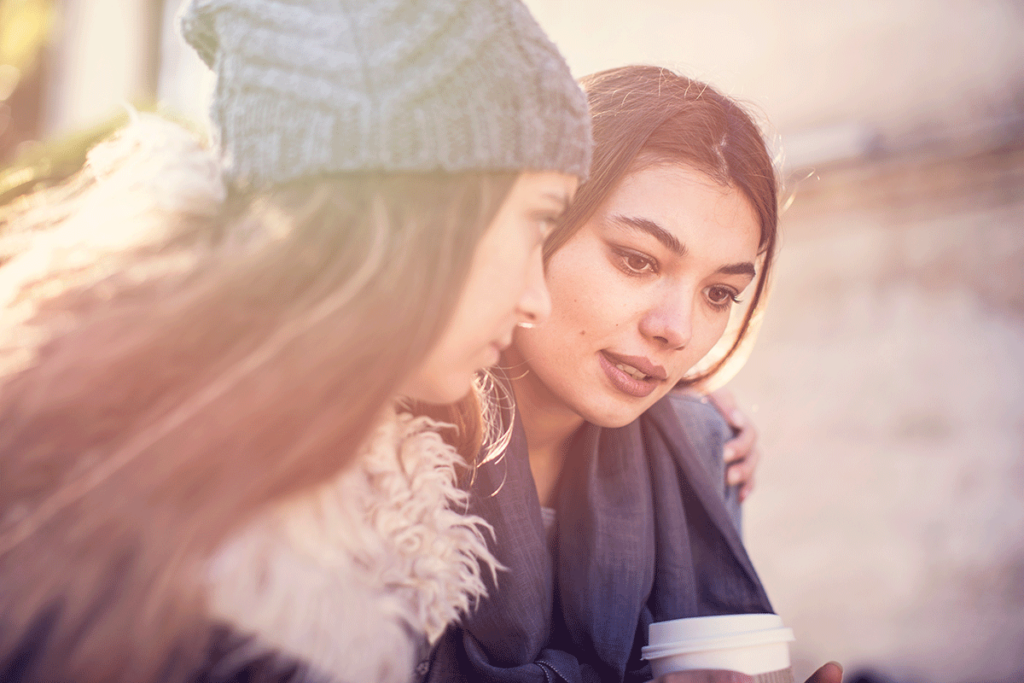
742	452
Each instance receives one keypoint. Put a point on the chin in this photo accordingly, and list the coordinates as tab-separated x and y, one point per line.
613	415
614	423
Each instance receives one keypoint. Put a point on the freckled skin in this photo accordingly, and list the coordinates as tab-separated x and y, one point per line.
628	293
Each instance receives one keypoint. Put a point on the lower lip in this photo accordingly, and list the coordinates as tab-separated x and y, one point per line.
625	383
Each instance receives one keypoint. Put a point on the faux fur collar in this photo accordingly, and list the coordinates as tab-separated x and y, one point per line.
357	576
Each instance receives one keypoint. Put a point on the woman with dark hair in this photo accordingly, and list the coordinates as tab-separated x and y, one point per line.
209	465
604	508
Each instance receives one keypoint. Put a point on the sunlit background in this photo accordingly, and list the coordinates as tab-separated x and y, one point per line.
888	382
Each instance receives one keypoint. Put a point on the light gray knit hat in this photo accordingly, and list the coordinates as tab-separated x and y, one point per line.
307	87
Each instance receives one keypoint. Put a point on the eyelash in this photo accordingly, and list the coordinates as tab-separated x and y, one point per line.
624	256
732	297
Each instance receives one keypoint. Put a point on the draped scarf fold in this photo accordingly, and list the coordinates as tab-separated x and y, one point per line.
643	535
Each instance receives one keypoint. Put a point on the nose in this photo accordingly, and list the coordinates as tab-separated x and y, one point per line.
534	305
670	321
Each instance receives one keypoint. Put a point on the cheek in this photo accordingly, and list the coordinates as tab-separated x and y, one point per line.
554	344
494	288
566	306
584	300
708	332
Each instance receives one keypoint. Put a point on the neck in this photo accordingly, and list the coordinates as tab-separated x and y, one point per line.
548	423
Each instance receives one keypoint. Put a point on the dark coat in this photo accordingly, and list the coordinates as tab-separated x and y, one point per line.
644	535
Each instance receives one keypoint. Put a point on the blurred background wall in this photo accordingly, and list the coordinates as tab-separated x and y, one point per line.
888	382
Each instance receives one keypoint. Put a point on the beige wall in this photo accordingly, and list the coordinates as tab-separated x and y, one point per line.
918	68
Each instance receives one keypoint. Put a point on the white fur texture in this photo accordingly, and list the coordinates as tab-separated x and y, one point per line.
355	577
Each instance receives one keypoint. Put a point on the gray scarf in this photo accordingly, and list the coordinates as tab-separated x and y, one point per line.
643	536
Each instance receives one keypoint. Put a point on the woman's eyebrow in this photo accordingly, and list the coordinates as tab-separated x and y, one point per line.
669	240
651	228
745	268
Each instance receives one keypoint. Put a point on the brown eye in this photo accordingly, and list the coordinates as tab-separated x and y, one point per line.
638	263
633	262
718	295
721	297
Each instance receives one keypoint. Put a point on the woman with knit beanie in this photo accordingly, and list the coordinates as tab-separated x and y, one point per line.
211	463
608	504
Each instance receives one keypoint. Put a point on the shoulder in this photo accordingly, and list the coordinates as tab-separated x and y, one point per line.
699	419
353	577
707	432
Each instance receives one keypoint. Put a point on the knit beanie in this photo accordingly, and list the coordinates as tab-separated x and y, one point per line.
309	87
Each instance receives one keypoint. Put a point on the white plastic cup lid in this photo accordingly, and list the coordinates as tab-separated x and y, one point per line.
724	632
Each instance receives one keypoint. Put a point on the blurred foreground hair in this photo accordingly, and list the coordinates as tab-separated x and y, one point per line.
176	358
648	115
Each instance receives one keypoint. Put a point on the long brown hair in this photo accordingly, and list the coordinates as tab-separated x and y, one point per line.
237	359
645	115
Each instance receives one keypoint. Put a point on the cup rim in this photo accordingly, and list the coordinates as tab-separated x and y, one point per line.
725	642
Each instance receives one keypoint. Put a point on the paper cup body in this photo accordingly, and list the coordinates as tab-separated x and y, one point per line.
749	643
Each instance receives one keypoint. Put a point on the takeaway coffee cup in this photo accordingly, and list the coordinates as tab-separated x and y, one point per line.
754	644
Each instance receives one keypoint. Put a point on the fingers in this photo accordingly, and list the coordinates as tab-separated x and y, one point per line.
740	446
746	490
741	472
741	453
830	673
705	676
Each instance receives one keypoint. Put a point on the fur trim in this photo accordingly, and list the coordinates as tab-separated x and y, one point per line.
355	577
